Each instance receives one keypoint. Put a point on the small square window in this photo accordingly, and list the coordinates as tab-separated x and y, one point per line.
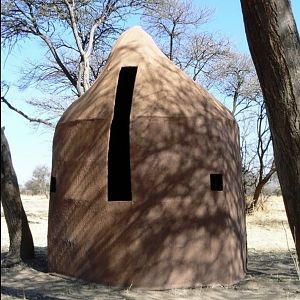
216	182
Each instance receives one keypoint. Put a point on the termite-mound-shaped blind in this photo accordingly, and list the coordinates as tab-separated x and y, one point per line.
146	187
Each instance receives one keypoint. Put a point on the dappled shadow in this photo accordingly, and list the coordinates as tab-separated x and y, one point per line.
26	281
272	275
3	254
271	263
39	262
176	232
269	222
20	293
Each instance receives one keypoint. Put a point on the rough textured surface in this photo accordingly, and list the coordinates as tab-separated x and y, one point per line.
21	243
175	232
274	44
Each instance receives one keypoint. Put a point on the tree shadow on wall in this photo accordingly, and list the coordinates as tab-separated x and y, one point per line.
176	231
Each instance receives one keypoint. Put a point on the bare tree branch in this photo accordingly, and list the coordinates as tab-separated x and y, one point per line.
172	20
35	120
68	29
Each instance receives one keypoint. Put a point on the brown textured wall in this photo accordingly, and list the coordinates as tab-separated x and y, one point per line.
176	232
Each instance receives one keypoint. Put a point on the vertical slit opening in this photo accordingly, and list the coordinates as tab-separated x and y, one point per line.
216	182
119	175
53	185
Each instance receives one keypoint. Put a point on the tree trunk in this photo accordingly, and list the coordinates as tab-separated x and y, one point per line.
86	73
274	44
255	203
256	194
21	242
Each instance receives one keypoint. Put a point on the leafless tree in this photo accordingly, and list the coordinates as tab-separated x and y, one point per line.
202	55
39	184
75	34
171	20
265	166
4	91
176	24
247	143
236	79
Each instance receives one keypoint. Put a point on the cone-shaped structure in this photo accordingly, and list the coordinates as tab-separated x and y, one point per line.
146	178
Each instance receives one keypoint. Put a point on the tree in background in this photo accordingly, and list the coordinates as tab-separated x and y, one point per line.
202	55
273	186
172	22
262	160
235	78
76	37
75	33
275	48
39	184
21	242
176	26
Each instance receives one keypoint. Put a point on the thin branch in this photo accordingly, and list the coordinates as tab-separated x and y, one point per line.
35	120
74	26
57	59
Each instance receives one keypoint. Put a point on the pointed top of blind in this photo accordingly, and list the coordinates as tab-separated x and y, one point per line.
161	89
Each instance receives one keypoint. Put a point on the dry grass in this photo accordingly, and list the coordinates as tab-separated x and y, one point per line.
272	274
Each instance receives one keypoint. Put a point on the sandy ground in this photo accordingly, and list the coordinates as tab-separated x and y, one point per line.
272	273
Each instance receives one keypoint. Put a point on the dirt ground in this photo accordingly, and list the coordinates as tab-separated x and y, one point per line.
271	268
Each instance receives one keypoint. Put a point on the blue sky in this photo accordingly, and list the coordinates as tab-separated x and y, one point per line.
31	146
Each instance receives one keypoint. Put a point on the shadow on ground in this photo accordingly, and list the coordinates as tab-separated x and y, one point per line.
271	274
39	263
